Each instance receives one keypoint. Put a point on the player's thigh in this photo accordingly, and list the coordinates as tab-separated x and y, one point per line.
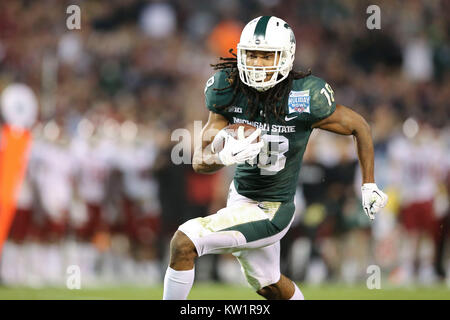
243	224
211	235
261	266
239	227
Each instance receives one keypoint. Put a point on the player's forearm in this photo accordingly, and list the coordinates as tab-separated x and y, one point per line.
348	122
364	145
204	161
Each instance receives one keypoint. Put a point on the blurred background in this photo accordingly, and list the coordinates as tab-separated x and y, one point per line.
101	192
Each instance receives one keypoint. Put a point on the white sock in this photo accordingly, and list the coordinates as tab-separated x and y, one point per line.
178	284
298	295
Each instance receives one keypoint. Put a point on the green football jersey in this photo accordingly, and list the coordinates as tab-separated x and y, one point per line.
275	174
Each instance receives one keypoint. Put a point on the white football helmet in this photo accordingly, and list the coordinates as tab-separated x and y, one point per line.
266	33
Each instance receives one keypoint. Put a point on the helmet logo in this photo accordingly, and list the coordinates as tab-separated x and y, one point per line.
257	41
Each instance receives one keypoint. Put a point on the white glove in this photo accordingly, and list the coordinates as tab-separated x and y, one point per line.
373	199
239	151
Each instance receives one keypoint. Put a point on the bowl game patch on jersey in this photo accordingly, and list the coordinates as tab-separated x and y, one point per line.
299	101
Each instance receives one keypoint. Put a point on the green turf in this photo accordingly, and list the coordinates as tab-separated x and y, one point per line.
205	291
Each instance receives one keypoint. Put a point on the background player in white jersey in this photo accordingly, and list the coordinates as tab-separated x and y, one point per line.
418	171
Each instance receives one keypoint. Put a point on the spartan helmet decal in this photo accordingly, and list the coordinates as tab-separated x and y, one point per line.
266	33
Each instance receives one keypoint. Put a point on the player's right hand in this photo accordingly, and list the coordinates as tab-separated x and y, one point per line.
238	151
373	199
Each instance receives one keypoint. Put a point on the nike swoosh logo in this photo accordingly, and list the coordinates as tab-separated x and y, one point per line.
289	119
236	153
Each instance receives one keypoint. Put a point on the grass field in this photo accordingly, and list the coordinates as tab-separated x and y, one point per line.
213	291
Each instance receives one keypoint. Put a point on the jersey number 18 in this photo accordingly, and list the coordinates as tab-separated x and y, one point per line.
271	157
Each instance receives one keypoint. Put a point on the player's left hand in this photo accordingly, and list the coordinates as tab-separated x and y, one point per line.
373	199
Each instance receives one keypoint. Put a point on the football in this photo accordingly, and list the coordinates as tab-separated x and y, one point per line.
237	130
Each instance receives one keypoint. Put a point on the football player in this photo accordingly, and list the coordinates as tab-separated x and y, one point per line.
259	88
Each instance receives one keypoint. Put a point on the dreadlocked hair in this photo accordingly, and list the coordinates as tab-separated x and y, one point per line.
272	99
